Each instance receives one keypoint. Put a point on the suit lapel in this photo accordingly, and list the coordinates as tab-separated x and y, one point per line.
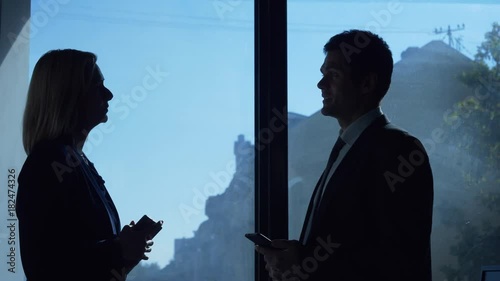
109	201
341	174
309	210
105	202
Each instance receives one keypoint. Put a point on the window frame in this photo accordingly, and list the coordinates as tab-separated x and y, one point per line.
271	146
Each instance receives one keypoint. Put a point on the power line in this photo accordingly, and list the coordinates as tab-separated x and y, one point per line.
189	22
452	41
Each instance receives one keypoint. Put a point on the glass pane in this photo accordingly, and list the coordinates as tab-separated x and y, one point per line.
176	145
433	45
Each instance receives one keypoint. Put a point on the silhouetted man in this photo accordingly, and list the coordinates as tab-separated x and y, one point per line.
370	215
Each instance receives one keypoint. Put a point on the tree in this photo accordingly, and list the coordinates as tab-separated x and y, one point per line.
474	128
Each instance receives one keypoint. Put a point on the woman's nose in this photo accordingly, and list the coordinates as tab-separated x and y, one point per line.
107	94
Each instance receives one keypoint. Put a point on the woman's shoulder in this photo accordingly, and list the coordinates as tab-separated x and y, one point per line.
48	156
48	151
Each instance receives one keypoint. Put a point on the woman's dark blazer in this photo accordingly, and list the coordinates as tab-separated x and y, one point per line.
65	231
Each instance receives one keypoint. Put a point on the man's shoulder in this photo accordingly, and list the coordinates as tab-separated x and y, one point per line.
394	132
391	137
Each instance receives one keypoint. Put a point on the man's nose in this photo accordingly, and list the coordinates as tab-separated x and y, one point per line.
320	83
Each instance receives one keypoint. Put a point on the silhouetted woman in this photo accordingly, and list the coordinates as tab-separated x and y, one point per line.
69	228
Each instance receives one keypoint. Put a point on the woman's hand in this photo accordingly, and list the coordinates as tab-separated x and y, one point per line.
134	243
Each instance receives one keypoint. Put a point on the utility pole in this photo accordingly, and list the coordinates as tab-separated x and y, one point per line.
452	42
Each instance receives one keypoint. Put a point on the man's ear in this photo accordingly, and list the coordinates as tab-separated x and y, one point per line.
369	83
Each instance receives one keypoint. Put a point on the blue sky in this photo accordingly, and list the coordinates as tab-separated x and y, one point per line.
160	150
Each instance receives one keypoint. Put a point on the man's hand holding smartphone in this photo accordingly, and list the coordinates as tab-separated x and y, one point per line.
259	239
280	254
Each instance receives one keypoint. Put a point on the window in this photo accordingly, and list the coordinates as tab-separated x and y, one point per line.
177	143
424	98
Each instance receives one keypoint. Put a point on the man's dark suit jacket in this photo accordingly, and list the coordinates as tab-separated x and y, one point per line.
378	207
65	231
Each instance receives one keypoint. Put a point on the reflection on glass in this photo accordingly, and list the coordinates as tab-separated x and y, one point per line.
444	90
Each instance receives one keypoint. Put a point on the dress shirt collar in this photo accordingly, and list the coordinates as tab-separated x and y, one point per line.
353	131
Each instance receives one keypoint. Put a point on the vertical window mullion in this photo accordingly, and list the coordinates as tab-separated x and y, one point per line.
271	131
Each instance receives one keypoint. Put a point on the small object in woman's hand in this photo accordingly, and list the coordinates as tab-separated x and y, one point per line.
146	223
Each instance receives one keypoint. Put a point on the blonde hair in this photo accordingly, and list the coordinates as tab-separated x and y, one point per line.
59	81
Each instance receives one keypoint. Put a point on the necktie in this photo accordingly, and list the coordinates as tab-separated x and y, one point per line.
339	144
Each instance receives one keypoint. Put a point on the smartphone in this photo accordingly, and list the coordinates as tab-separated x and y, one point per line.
147	223
259	239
